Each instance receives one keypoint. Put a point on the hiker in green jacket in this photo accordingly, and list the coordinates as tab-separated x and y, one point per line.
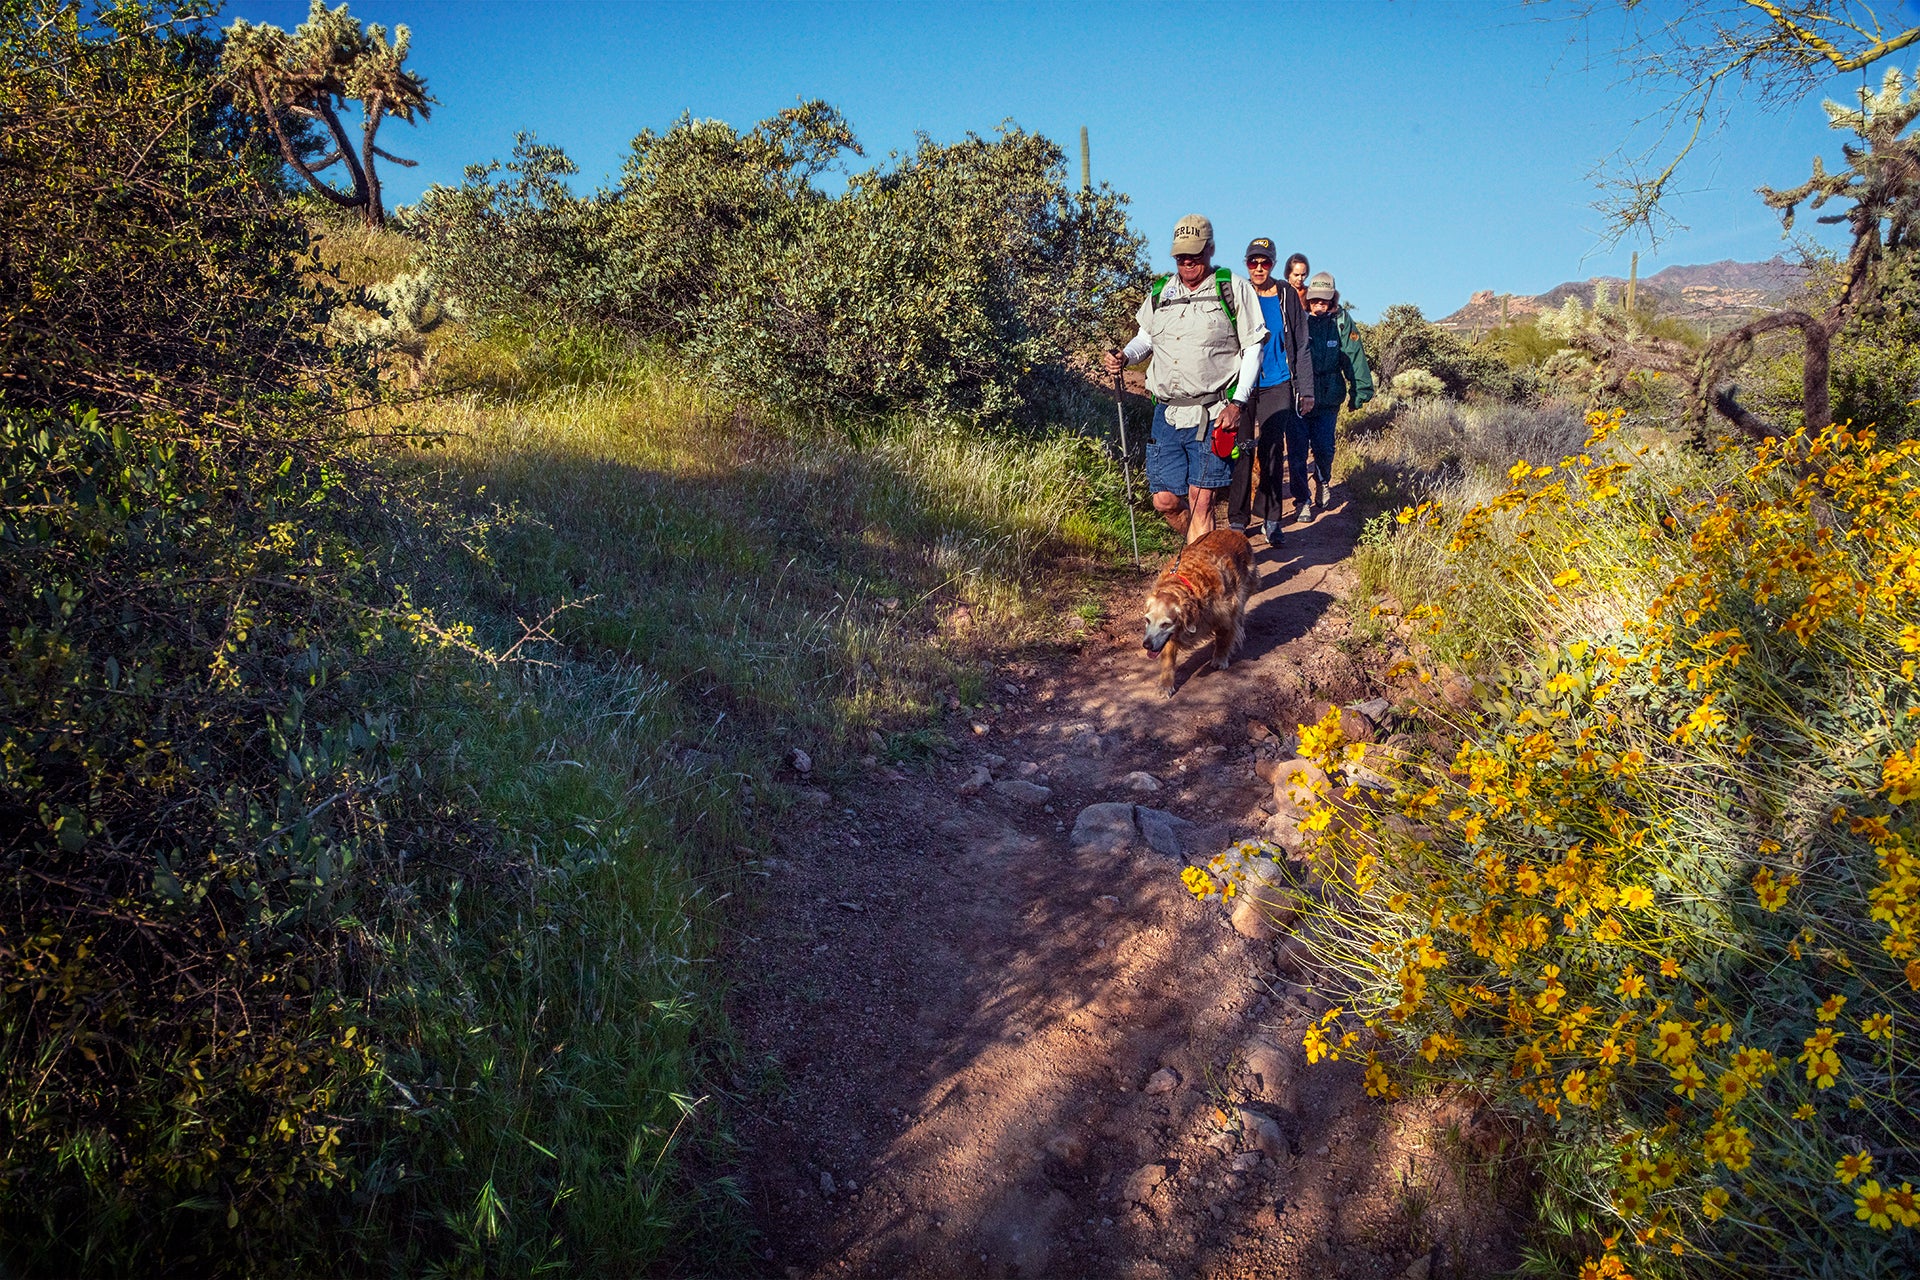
1340	373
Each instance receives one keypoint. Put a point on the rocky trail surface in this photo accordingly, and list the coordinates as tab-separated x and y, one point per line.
1004	1041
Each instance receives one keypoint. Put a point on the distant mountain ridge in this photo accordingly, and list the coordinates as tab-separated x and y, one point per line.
1714	296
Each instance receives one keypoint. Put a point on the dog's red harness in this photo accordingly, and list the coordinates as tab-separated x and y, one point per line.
1187	582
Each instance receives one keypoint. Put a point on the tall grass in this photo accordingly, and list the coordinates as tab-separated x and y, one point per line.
706	589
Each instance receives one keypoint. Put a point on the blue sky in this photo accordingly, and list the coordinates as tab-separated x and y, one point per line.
1418	150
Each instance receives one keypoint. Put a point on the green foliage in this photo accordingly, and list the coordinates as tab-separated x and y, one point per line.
128	181
956	279
1875	369
1403	339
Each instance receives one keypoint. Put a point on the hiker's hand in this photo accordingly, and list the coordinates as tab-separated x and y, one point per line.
1303	405
1116	362
1230	417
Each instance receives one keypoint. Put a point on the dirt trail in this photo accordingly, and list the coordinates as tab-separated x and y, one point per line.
966	1014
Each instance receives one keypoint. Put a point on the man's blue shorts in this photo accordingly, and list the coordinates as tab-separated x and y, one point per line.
1177	460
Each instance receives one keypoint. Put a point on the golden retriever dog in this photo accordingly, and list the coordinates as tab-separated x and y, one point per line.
1202	595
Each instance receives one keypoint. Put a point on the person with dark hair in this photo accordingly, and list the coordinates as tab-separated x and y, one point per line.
1295	273
1286	380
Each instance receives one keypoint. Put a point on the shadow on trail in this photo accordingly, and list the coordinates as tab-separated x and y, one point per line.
966	1016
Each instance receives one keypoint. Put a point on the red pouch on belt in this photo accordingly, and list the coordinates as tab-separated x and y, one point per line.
1223	441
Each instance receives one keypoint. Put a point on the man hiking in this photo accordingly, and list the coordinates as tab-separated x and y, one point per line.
1339	373
1286	380
1204	330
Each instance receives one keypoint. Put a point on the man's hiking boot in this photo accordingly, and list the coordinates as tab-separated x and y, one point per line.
1272	529
1303	512
1179	520
1320	493
1239	529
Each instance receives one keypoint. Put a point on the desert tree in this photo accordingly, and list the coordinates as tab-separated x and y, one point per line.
1706	57
1880	187
301	81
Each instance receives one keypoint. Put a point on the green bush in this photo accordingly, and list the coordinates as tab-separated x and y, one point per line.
957	279
1402	340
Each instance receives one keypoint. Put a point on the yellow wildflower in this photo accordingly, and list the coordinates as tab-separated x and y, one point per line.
1830	1008
1873	1206
1847	1168
1878	1027
1636	897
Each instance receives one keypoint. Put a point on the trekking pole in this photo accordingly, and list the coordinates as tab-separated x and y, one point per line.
1126	461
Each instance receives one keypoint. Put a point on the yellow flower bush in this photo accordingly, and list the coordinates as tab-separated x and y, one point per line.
1664	897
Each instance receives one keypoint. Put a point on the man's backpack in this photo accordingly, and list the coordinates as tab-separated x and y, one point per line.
1222	284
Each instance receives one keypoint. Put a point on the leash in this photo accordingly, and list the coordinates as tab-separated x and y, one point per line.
1126	463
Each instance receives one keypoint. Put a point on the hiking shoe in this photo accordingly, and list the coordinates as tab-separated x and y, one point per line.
1319	493
1239	529
1303	512
1272	529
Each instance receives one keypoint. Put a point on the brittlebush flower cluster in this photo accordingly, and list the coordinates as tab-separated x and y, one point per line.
1663	897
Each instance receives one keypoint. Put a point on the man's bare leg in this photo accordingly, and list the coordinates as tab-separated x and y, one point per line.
1201	502
1174	512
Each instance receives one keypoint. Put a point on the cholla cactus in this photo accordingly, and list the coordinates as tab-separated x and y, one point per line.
1416	384
404	311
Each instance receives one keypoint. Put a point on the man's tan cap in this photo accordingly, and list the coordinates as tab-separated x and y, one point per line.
1192	234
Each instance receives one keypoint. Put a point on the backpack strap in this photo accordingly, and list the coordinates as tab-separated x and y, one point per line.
1223	285
1154	290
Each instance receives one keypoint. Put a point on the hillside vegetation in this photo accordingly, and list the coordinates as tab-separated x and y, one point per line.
390	700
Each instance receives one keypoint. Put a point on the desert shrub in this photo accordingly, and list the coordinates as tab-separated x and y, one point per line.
194	759
1403	339
1497	434
1660	901
1874	375
957	279
1416	384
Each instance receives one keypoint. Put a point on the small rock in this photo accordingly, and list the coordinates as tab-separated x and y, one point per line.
800	760
1165	1080
1140	780
815	795
1262	1133
826	1183
1374	709
1161	830
1257	732
1292	959
1141	1182
992	761
1271	1066
1070	1148
1246	1162
1107	903
869	761
1284	830
1105	828
1458	692
1025	769
1266	770
1419	1268
1356	727
1022	792
977	781
1322	1151
978	727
